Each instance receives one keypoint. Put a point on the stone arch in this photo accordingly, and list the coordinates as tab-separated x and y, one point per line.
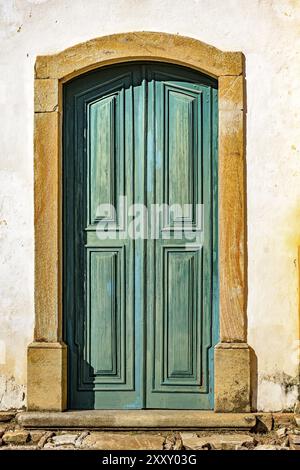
47	355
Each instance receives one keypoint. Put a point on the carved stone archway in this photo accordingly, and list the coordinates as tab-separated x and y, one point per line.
47	355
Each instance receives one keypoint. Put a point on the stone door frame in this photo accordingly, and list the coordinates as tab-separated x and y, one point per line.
47	355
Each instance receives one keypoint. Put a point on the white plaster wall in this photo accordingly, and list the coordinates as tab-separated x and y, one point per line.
268	33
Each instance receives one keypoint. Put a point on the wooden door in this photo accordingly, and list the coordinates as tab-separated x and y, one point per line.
140	312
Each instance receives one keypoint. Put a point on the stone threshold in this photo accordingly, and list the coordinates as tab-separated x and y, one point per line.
119	420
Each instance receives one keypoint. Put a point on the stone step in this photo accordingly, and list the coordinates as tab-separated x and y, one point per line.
137	420
6	416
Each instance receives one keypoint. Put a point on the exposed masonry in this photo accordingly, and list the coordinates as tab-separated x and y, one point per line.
286	381
284	386
12	395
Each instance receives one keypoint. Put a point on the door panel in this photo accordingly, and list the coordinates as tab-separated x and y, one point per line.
140	314
105	322
102	315
104	185
180	271
180	324
180	119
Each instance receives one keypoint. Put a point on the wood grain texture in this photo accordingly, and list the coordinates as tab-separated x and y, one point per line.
99	301
183	326
102	275
232	230
47	228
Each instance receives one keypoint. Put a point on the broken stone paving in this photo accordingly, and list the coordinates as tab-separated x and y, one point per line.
280	432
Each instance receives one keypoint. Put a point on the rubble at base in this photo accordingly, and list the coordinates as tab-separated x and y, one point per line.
280	433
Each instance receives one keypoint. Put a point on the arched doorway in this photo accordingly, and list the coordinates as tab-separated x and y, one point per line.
47	356
140	303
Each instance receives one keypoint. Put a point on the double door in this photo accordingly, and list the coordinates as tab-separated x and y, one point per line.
140	237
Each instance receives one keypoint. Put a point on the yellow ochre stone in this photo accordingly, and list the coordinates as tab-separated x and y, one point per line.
47	377
50	72
232	378
139	46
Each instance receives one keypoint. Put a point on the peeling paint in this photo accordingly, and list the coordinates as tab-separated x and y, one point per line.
12	395
284	380
277	392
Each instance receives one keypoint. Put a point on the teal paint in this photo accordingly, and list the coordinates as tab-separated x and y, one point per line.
140	316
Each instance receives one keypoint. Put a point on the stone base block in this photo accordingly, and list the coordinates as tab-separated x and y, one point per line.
47	377
232	378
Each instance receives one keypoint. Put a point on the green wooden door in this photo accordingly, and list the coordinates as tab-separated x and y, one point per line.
140	307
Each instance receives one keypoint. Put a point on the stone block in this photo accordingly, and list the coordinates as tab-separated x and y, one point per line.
36	435
281	432
16	437
231	94
44	439
294	442
270	447
191	441
45	95
47	377
122	441
222	441
64	439
283	419
232	378
119	420
146	46
6	416
46	222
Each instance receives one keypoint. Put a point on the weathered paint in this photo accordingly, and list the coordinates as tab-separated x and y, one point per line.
268	34
111	363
